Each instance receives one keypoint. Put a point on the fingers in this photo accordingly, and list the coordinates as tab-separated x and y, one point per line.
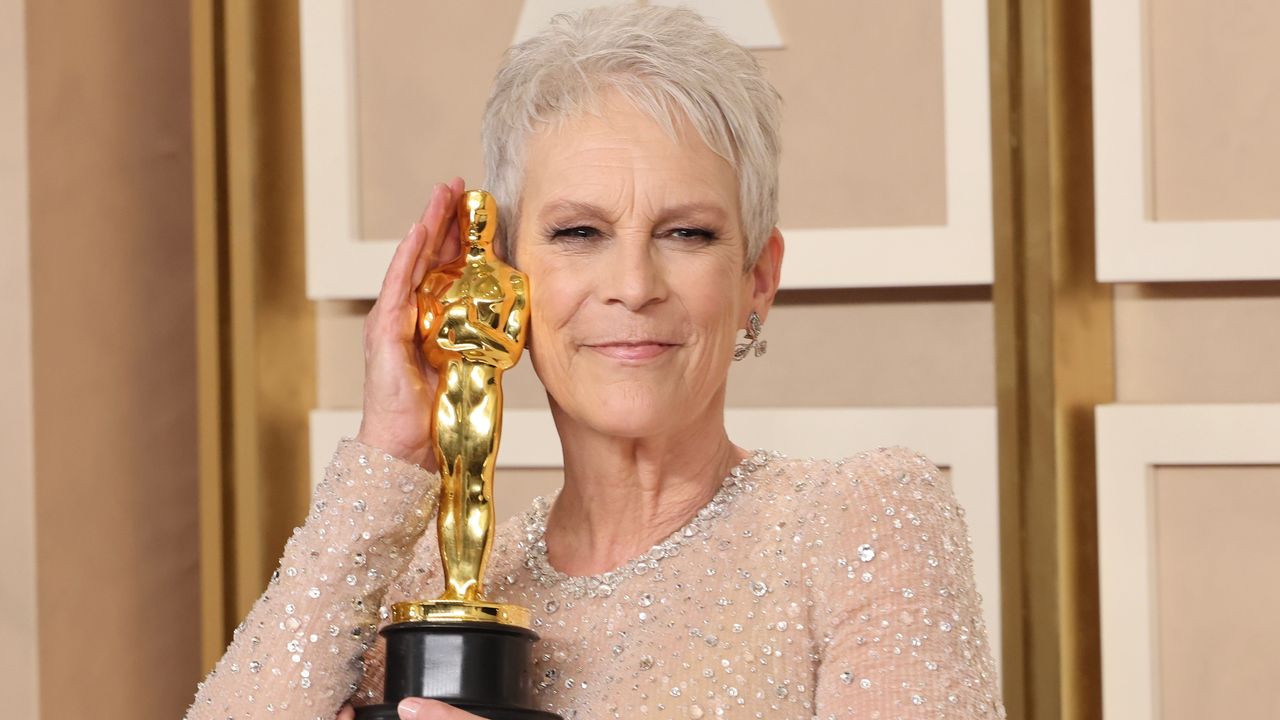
395	284
420	709
346	713
438	207
409	272
441	222
452	245
455	188
390	318
416	254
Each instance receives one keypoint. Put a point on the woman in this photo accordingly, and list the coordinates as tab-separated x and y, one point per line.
633	151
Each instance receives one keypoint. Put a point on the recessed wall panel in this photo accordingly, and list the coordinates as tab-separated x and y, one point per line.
1218	586
862	83
862	147
1203	343
1215	109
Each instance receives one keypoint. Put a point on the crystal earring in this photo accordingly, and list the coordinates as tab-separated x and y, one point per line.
754	328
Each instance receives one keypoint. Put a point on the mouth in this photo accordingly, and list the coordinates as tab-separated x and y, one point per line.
631	350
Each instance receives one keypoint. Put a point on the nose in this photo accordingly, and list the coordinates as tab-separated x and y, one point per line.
635	275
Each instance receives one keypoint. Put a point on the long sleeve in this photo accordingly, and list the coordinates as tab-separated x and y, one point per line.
299	652
422	579
902	635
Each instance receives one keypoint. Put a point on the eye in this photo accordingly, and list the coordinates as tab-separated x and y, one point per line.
579	232
693	233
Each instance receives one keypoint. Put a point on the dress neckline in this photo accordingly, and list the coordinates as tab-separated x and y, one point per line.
605	584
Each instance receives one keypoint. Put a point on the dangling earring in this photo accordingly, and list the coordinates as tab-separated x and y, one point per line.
754	328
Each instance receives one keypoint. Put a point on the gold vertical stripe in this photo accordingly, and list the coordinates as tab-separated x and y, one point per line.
287	371
208	208
273	329
249	568
256	347
1054	355
1001	18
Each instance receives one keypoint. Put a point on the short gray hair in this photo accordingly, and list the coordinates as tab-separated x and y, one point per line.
667	61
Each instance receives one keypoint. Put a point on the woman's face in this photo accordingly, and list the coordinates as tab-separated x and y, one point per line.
634	249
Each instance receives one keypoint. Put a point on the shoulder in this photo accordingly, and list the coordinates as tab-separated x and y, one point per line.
878	492
880	522
892	470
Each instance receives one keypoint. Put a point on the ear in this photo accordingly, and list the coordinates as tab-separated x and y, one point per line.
766	274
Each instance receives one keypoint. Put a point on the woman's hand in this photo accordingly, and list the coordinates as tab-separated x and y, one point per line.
421	709
399	384
417	709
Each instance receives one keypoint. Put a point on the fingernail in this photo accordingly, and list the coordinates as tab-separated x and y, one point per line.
409	707
412	227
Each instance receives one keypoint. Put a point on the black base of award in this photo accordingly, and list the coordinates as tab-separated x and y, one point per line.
481	667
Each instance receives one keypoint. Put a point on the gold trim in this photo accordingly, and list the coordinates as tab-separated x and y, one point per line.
246	522
451	611
1054	356
206	58
255	335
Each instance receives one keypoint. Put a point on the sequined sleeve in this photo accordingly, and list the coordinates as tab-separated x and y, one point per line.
903	632
422	579
298	653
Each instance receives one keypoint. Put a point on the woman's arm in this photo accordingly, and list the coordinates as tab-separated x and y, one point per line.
299	652
905	635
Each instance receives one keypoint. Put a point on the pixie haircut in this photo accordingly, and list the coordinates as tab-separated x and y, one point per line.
671	65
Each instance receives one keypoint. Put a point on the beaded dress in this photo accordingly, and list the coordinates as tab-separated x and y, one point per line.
803	589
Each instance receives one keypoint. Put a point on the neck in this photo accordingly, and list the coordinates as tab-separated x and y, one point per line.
624	495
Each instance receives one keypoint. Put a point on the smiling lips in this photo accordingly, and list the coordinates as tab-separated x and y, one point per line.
632	349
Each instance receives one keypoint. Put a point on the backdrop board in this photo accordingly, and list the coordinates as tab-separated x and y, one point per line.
1186	155
851	137
1134	442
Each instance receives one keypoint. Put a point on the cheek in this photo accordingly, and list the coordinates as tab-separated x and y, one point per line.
715	300
556	297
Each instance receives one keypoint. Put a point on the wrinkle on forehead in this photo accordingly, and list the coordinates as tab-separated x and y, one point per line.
623	159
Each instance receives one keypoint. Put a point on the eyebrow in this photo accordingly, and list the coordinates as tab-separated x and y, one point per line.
574	207
578	207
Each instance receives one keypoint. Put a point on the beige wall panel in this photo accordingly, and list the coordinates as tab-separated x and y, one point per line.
114	347
517	487
1197	343
1215	109
862	141
918	346
19	683
340	353
864	147
422	75
881	347
1219	634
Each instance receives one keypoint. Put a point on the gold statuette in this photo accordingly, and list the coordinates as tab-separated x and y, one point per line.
460	649
473	312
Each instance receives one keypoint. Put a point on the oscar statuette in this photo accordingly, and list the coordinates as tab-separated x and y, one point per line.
458	648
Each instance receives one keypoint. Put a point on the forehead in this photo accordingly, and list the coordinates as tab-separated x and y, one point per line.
621	149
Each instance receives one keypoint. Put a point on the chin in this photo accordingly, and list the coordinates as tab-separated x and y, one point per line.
628	415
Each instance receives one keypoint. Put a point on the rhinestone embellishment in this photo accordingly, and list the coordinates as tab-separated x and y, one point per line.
605	584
